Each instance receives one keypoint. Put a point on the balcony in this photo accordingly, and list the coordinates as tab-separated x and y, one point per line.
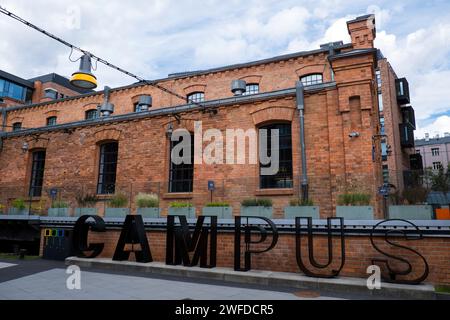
406	135
416	162
402	87
409	116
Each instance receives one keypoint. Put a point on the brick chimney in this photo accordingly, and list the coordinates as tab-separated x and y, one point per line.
363	32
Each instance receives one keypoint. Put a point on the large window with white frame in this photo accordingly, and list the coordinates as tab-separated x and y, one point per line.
312	79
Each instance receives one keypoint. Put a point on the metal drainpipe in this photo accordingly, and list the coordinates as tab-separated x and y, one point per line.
301	108
3	127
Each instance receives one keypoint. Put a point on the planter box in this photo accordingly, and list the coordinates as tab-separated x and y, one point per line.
58	212
18	212
443	214
265	212
220	212
188	212
411	212
149	212
293	212
85	211
355	212
117	212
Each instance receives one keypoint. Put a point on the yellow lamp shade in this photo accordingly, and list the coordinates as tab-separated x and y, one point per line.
83	78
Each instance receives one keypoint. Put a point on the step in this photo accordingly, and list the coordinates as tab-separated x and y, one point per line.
264	278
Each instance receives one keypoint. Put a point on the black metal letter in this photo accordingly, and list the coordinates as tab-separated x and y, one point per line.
179	242
312	260
408	236
133	232
80	236
248	241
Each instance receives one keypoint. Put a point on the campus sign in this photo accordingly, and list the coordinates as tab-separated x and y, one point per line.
199	246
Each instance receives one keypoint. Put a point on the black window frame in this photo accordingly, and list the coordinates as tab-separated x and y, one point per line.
107	167
311	79
181	176
284	179
52	121
196	97
37	173
17	126
91	111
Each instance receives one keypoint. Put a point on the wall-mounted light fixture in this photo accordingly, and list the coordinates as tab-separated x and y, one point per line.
354	135
26	144
169	131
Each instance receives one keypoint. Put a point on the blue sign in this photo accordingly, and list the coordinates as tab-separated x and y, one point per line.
211	186
384	190
53	193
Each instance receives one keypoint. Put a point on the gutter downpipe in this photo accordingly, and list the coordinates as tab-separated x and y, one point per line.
4	113
300	93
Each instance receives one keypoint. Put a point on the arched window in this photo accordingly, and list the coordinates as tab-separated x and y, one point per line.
91	114
312	79
252	88
51	121
196	97
107	168
37	173
17	126
281	178
181	176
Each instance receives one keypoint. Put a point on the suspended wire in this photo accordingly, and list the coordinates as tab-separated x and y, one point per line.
98	59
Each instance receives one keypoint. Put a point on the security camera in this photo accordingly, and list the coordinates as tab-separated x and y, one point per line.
354	135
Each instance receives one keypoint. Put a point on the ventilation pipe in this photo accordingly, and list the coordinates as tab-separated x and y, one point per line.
238	87
145	102
301	109
106	108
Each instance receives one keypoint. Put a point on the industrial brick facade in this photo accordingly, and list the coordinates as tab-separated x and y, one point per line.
346	102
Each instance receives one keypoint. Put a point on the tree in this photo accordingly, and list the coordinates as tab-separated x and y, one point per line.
440	181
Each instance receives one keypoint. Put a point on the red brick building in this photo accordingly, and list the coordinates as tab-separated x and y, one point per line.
342	133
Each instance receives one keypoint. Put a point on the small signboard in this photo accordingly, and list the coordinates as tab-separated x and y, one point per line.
211	185
384	190
53	193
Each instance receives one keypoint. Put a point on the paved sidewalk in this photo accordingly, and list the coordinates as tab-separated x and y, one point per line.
51	284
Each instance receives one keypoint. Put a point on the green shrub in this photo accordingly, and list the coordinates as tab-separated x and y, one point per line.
59	204
301	202
145	200
87	200
256	203
217	204
18	203
119	200
177	204
354	199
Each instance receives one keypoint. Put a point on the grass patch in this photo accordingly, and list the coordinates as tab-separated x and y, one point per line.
442	289
13	256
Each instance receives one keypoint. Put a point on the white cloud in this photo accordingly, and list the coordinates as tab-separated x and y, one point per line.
155	37
439	126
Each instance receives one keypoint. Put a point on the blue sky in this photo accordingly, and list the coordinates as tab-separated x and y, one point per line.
155	38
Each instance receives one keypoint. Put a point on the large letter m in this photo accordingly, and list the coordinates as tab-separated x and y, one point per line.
180	243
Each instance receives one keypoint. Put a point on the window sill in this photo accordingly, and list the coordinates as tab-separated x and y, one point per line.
178	195
274	192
